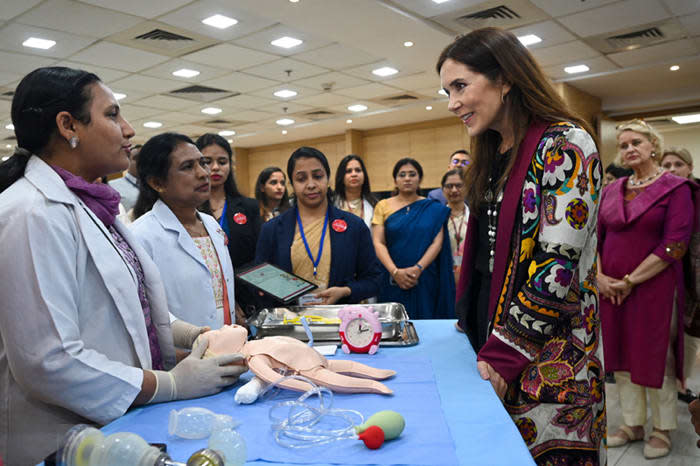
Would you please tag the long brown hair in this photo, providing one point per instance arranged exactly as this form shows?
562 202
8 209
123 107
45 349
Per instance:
500 57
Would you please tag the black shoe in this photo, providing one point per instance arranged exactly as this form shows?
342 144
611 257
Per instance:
609 377
687 396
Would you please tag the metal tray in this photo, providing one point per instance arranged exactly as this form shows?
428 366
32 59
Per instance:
324 323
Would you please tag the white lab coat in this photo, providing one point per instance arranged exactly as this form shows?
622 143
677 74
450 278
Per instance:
72 333
187 279
367 210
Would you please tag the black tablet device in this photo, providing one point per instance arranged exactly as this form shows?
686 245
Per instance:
283 286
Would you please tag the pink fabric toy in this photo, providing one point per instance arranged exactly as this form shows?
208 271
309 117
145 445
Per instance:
271 356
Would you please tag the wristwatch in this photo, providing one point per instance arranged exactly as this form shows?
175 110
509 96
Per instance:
627 280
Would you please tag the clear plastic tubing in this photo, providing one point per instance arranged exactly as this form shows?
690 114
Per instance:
197 423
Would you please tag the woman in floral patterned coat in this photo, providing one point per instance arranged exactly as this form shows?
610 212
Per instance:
527 297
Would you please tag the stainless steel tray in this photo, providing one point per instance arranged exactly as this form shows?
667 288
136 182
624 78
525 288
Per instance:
324 323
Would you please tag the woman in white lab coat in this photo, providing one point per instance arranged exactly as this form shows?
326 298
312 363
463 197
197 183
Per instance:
84 330
187 246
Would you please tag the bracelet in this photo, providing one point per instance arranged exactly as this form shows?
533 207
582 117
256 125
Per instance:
627 281
393 274
419 266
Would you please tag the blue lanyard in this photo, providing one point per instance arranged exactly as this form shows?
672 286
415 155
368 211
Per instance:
306 244
222 219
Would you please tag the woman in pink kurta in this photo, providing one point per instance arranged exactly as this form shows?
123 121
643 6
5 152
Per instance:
644 227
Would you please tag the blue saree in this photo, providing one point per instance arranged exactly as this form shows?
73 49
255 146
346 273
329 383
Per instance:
408 233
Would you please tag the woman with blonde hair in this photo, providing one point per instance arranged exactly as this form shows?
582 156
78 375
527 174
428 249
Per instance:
527 297
642 297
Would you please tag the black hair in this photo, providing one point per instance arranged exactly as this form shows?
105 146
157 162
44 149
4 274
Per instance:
260 195
618 171
340 179
154 162
39 97
459 151
230 186
454 171
310 153
406 161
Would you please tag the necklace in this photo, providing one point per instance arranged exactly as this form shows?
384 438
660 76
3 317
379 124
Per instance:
634 182
494 201
457 227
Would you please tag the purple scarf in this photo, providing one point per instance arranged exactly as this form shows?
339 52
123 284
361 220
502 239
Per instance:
102 199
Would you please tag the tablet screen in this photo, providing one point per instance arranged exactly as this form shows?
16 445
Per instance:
274 281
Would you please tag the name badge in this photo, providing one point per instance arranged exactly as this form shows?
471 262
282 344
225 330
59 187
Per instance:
339 226
240 218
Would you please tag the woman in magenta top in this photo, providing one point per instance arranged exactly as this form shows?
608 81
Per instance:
644 227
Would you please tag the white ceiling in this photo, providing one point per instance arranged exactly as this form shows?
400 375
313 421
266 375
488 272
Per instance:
344 40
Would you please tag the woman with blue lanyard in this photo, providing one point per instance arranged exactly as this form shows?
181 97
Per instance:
187 246
318 241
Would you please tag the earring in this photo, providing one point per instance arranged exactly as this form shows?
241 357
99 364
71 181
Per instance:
653 154
73 142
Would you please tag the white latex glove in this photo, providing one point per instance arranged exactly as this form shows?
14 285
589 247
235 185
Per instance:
184 333
194 377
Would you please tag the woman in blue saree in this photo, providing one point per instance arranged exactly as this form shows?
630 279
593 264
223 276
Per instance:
408 232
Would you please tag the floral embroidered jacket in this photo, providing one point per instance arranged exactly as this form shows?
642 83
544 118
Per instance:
544 325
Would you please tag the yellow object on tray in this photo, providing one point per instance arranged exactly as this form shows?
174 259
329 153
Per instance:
311 319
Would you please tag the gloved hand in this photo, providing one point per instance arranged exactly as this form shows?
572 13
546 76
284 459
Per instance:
194 377
184 333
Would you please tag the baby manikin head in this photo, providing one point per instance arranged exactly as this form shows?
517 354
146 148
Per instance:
228 339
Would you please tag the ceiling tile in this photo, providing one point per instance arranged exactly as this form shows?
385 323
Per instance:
138 82
191 16
369 91
559 8
11 8
416 81
165 70
134 113
20 63
691 22
261 40
301 92
278 108
180 117
325 100
230 57
78 18
278 70
336 57
654 53
430 9
332 80
107 75
365 71
239 82
564 53
596 65
9 77
244 102
613 17
118 56
550 32
12 36
165 102
683 7
253 115
149 9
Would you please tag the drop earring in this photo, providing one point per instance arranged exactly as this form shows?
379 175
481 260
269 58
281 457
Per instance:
73 142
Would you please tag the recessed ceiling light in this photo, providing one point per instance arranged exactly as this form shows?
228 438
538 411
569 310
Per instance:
357 108
428 107
285 121
408 43
685 119
229 141
5 158
576 69
285 93
529 39
8 146
385 71
211 110
220 21
11 127
284 131
442 92
226 132
293 1
675 68
153 124
185 73
36 43
440 1
118 95
286 42
348 121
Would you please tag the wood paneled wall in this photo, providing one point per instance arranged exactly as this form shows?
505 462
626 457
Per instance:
429 142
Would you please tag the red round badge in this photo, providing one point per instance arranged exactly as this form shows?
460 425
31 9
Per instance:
240 218
339 226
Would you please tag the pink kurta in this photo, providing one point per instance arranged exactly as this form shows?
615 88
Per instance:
658 221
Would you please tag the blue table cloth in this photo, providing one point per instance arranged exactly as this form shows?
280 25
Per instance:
453 417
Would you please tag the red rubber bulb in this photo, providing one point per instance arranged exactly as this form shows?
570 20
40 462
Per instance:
373 437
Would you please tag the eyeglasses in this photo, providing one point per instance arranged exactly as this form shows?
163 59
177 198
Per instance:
451 186
461 163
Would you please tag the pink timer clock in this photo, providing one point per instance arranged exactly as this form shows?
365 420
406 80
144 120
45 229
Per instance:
360 329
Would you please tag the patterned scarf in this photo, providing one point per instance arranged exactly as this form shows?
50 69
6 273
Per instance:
102 199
